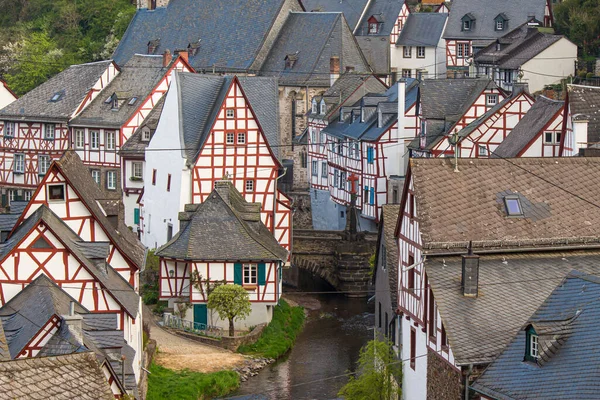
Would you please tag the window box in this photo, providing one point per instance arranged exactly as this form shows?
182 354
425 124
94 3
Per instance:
136 179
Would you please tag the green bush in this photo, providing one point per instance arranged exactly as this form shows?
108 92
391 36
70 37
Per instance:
166 384
160 307
279 336
150 294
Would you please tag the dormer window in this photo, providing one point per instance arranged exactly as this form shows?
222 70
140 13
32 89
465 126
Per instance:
132 101
145 134
322 107
314 107
374 22
500 22
491 99
153 45
290 60
513 206
114 103
532 345
193 48
468 22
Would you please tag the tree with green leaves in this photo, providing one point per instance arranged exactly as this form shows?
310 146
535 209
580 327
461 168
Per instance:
579 20
231 302
378 372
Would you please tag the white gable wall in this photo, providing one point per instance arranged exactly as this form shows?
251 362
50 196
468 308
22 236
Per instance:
548 66
6 96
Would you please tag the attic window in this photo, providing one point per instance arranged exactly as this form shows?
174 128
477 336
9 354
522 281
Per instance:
153 45
322 107
132 101
193 48
145 134
314 106
290 60
468 22
513 206
500 22
532 350
56 97
56 192
108 99
374 24
115 103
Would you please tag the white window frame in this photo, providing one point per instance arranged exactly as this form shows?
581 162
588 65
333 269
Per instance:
230 138
241 138
12 195
94 144
250 274
499 25
27 195
534 350
420 51
229 113
407 52
111 183
554 137
249 185
491 99
49 131
482 151
64 190
43 164
314 166
9 133
96 175
110 137
146 134
137 170
19 163
467 25
322 108
79 138
406 73
324 172
373 28
314 106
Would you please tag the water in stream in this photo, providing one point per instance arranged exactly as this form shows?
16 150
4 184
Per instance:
336 328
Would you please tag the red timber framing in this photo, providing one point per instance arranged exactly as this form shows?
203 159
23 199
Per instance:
42 252
247 161
79 217
215 271
539 146
456 57
399 24
317 145
101 155
36 344
483 140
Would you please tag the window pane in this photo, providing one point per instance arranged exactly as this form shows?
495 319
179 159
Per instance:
513 206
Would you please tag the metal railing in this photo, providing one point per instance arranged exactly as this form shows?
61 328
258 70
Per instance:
174 322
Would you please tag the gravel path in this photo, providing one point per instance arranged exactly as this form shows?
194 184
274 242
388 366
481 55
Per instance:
178 353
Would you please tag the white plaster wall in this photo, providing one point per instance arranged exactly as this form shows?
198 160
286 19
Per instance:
261 313
6 97
414 382
547 67
413 63
130 203
162 207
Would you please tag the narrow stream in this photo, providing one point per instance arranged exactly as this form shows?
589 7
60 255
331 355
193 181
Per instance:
336 328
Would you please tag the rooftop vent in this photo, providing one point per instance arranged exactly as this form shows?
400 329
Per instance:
290 60
470 273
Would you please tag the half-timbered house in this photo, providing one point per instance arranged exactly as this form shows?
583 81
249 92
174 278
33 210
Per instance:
367 144
474 24
99 131
213 127
474 239
71 232
34 127
527 54
222 240
7 96
544 131
420 50
43 320
447 106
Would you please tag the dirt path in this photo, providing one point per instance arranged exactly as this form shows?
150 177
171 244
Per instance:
178 353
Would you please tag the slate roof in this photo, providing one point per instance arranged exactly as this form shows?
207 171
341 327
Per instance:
224 221
485 11
572 369
200 98
586 100
529 127
369 129
4 351
422 29
73 83
231 32
117 286
73 376
347 90
511 288
386 11
71 166
516 47
23 316
136 80
441 98
135 147
390 216
352 9
477 193
10 218
316 37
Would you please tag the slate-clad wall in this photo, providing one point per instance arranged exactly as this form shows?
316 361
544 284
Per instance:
443 382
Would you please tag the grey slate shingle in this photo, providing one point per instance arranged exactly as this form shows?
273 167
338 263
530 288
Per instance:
538 116
224 220
73 376
572 316
422 29
135 147
352 9
74 82
385 11
585 100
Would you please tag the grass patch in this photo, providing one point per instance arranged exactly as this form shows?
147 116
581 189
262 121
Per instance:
166 384
279 336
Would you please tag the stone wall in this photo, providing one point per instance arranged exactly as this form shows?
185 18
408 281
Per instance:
302 207
443 382
226 342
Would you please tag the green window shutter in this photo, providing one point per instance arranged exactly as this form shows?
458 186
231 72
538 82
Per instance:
262 276
136 216
237 274
4 200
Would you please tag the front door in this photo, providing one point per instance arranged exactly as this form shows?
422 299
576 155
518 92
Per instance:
200 315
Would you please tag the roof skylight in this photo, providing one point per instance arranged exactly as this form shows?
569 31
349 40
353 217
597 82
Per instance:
513 206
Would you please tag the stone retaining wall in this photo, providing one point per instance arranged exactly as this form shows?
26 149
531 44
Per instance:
226 342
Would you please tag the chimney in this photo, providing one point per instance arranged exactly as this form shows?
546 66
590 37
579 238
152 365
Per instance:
183 54
470 274
74 323
167 57
580 132
401 152
334 69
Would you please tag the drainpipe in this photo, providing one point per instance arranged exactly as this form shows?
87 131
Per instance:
469 371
